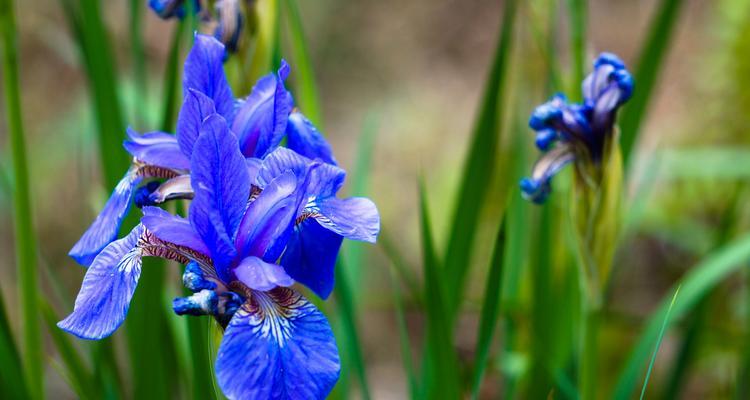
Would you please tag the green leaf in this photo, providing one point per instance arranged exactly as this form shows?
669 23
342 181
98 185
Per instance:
12 382
307 91
490 311
478 167
80 377
578 24
658 343
403 336
440 366
351 342
25 237
653 53
693 286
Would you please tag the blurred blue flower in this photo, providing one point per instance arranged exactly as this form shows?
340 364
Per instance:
567 132
262 217
225 23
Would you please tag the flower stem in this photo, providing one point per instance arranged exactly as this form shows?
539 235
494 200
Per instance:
24 233
591 312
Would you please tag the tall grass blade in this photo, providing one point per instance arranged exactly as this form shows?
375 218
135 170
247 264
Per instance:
351 341
490 311
307 91
653 53
478 167
138 57
403 269
693 286
403 336
440 366
658 343
12 381
25 238
172 78
578 26
80 377
84 18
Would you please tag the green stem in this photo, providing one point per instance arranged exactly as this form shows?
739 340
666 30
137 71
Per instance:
578 24
589 361
23 226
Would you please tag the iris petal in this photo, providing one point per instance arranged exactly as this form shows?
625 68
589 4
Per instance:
306 140
196 107
538 187
107 288
261 120
260 275
156 148
268 218
310 257
277 346
325 181
220 181
204 72
355 218
106 225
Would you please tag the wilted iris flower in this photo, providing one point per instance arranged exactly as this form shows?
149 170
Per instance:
224 23
578 132
262 217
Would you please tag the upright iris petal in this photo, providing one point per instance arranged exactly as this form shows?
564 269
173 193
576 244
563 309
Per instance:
220 180
261 119
204 72
306 140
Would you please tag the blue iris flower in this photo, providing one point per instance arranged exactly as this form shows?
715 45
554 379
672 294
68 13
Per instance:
262 217
172 8
567 132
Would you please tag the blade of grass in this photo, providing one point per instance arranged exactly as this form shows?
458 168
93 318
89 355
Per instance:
12 381
693 286
653 53
658 343
361 180
578 26
440 366
139 57
352 345
403 336
405 274
307 91
80 377
490 311
25 238
478 167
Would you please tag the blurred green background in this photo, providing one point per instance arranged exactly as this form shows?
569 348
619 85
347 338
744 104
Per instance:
402 83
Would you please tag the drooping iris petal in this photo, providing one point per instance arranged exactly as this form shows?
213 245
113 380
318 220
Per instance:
262 117
268 218
196 107
538 186
355 218
221 185
277 346
173 229
107 288
310 256
156 148
257 274
306 140
325 181
106 225
204 72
